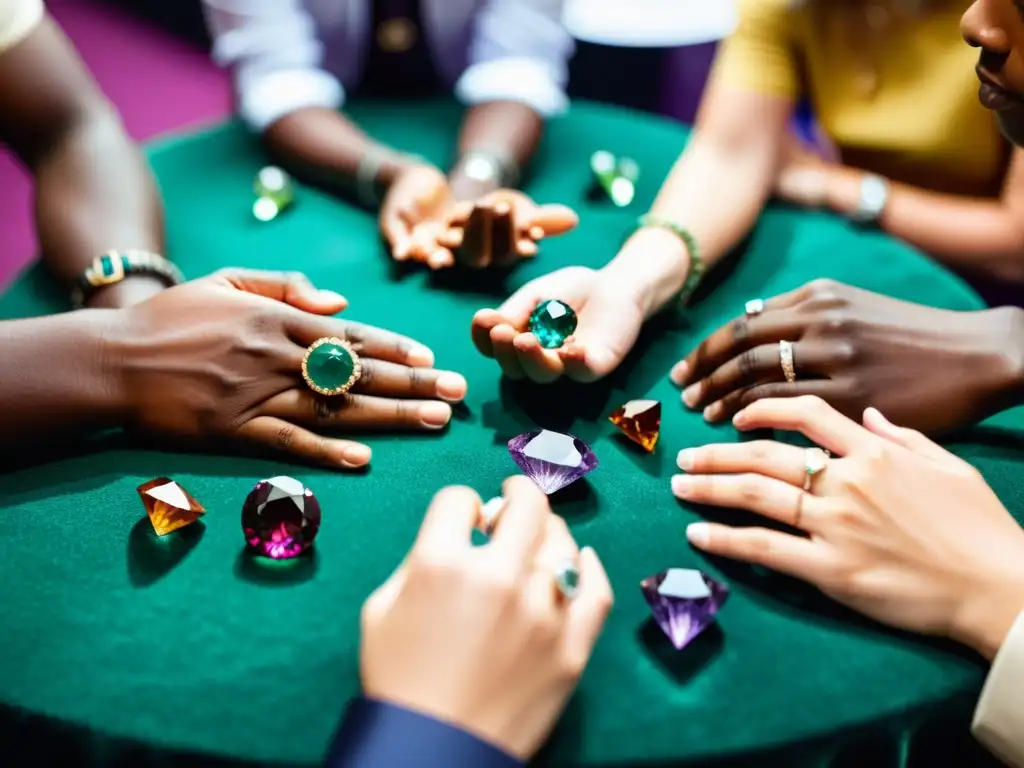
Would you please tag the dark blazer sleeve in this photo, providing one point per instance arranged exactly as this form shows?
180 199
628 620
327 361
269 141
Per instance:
378 735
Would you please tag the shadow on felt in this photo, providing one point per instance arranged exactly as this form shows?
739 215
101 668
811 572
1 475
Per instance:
151 557
267 572
685 664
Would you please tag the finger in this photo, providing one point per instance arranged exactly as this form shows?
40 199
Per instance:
503 236
503 343
574 359
292 288
552 220
517 307
398 234
460 213
477 238
538 364
520 529
441 258
749 367
483 322
589 610
391 380
286 437
526 247
764 457
755 493
782 552
558 549
448 525
451 238
367 340
811 416
911 439
834 392
352 412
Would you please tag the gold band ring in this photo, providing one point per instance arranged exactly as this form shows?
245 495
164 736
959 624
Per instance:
786 358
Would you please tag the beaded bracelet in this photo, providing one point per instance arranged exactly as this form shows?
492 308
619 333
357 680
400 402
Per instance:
697 266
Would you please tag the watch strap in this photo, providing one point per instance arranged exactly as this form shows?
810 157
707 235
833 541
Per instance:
874 195
484 165
114 266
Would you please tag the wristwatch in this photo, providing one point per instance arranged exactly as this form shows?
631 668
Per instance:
114 266
488 168
874 194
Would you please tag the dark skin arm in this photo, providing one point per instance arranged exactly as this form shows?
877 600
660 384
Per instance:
507 128
94 191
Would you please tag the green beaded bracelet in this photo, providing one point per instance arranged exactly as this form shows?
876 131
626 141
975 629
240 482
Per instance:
697 266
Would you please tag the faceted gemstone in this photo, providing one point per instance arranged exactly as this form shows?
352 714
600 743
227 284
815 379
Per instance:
330 366
552 322
640 421
552 460
568 580
616 176
274 193
684 602
168 505
280 518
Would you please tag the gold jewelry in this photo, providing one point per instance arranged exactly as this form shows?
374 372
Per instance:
815 462
786 358
331 366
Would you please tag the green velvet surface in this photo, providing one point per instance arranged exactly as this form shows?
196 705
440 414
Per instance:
130 648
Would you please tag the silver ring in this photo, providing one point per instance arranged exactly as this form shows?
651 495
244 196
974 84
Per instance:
567 579
754 307
815 462
489 514
786 358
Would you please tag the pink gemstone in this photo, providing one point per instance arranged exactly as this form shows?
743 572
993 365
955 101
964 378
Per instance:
552 460
684 602
280 518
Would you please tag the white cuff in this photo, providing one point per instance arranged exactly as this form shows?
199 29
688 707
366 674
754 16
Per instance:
266 97
513 79
999 716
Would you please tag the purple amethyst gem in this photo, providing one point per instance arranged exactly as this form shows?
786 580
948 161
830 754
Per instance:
684 602
552 460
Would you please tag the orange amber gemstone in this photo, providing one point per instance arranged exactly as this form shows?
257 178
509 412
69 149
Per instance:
168 505
640 421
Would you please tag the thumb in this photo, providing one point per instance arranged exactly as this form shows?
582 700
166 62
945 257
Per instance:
910 439
292 288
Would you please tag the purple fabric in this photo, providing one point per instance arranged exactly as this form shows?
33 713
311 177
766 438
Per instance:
685 76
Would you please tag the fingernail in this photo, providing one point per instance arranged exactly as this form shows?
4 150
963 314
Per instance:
682 486
420 357
685 459
537 233
692 394
713 412
679 373
332 298
356 456
698 534
740 419
451 387
435 415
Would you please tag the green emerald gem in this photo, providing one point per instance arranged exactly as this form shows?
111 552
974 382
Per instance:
275 192
568 581
552 322
108 266
330 366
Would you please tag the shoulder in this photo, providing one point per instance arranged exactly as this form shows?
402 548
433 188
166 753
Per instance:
17 20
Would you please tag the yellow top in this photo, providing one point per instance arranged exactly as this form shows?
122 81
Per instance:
902 102
17 20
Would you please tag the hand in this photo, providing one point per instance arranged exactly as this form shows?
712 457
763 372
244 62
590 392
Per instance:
479 636
220 359
415 212
897 528
609 323
500 228
803 178
930 369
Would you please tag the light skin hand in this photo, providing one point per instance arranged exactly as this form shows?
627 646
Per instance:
895 526
498 651
219 360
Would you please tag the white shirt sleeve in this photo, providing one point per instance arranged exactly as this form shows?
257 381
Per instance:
520 52
273 51
999 716
18 19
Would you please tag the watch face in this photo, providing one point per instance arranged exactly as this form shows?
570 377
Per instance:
480 169
874 194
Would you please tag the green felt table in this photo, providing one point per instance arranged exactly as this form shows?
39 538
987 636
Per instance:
122 649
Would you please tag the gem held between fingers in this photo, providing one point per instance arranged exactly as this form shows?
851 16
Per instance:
280 518
640 421
169 505
684 602
552 322
551 459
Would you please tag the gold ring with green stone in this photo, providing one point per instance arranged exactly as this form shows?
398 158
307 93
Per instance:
331 366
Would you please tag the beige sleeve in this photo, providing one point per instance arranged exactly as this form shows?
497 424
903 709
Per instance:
760 55
17 20
999 717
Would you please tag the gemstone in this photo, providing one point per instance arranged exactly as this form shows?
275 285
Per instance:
567 578
330 367
274 193
552 322
168 505
616 176
684 602
280 518
640 421
552 460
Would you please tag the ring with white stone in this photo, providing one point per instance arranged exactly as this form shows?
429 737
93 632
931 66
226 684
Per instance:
567 579
786 358
815 462
754 307
489 514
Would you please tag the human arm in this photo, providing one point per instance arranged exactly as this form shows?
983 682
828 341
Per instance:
94 190
980 237
894 526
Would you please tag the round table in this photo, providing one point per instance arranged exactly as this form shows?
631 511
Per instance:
120 648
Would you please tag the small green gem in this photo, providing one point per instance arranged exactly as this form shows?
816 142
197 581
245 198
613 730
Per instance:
552 322
330 366
108 266
568 581
272 187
